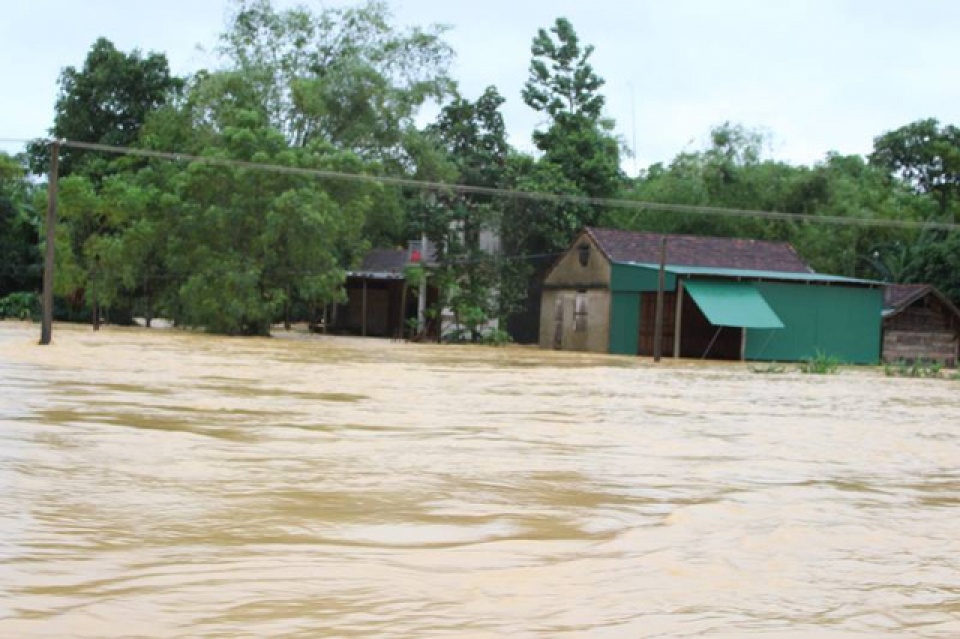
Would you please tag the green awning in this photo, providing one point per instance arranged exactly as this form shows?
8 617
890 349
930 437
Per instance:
727 303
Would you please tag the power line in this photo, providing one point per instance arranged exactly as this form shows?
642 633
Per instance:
166 274
514 193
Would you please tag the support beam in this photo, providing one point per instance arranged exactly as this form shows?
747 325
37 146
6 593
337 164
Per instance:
743 344
422 293
658 320
46 321
678 320
363 321
95 293
712 342
403 310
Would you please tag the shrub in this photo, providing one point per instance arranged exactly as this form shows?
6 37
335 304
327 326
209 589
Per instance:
820 364
22 306
916 368
770 369
496 337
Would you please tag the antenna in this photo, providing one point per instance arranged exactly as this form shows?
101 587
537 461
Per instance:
633 120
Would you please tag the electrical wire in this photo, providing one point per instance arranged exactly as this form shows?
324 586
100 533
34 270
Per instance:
425 185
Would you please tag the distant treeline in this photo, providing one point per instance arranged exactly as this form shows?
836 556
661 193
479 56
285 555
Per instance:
233 249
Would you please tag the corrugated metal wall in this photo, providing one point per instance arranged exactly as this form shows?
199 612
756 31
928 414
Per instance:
840 321
624 322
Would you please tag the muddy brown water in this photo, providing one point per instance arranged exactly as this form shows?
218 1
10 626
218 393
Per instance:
163 484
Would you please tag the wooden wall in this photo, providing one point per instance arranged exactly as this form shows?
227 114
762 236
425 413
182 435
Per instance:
925 330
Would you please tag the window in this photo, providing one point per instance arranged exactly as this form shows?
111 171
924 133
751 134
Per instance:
580 312
583 252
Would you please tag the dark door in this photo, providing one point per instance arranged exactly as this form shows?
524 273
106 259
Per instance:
648 318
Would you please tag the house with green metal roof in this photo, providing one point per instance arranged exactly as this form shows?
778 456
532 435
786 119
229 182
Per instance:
723 298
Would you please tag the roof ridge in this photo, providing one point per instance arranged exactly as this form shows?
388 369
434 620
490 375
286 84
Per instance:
698 250
591 229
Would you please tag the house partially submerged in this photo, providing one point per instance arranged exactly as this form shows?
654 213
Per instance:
919 323
379 302
724 298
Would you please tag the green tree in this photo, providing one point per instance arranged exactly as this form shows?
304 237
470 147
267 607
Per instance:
926 156
579 157
732 172
241 246
346 76
349 77
935 259
106 101
533 234
563 85
472 136
20 262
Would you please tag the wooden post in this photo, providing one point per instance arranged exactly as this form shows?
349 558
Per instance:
95 293
363 322
46 322
712 340
422 294
677 320
661 283
743 344
403 309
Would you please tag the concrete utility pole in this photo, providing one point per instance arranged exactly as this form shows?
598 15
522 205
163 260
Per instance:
422 296
661 283
429 203
46 321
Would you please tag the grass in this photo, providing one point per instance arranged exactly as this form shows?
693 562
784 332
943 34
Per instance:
820 364
769 369
917 368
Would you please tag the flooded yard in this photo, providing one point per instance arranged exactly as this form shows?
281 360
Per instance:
156 483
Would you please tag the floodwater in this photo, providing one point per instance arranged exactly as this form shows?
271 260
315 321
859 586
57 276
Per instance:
163 484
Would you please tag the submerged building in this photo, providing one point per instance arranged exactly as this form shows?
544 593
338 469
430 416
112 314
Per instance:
724 298
920 323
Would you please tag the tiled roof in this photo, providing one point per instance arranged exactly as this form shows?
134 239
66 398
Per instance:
693 250
389 263
898 296
384 261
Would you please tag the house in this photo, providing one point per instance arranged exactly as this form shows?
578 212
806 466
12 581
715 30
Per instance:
919 323
379 301
724 298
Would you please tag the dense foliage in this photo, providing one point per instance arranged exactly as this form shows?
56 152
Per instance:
231 248
20 263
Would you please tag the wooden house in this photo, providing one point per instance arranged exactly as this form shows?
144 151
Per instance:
379 302
919 323
724 298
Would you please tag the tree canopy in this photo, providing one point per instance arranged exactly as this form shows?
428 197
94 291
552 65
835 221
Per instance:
106 101
232 249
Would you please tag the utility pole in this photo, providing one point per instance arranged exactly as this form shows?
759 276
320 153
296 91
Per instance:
95 292
46 321
422 295
431 200
661 283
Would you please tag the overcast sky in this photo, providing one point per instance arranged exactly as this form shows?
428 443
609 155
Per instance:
817 75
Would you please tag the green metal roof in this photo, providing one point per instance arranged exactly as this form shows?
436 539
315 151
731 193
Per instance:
727 303
709 271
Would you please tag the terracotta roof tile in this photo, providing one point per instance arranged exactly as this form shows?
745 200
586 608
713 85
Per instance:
384 261
693 250
896 296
